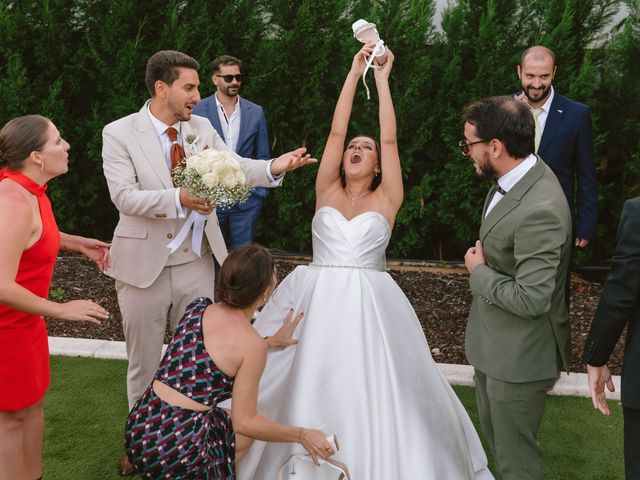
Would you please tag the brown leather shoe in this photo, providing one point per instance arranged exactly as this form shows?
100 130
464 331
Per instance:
126 468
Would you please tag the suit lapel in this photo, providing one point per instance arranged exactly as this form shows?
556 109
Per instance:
189 129
554 119
245 113
511 200
146 136
487 200
215 118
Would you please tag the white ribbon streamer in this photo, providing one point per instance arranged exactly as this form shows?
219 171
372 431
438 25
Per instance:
378 49
197 221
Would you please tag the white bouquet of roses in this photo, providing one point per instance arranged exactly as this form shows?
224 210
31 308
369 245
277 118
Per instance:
215 176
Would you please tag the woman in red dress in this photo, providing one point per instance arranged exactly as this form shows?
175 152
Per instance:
31 153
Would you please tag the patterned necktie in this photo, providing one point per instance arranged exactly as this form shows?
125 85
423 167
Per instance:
536 114
177 152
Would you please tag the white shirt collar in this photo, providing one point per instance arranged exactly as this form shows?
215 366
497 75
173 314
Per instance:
219 104
513 176
547 105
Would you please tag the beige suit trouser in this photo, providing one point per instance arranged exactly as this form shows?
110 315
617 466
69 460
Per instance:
145 312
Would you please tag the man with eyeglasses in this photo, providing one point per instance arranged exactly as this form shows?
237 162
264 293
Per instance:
517 336
563 138
242 126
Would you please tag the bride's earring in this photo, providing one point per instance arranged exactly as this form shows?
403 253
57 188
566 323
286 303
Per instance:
41 166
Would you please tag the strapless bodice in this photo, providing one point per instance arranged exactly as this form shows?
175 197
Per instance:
358 243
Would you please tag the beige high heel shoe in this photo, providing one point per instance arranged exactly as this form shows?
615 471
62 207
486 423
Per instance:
301 467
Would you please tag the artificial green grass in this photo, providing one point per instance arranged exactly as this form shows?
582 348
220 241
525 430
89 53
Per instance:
86 408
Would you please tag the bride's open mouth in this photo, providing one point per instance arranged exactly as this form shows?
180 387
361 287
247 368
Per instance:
356 158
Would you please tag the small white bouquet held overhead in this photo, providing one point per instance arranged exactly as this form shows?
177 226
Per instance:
215 176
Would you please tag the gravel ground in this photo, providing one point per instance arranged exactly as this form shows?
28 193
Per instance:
440 296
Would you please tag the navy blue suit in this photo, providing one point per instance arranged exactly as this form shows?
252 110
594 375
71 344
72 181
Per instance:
253 142
567 147
619 307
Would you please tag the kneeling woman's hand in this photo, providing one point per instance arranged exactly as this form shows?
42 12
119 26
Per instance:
316 443
284 336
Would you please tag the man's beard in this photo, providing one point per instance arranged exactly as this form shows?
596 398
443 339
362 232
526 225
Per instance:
232 93
487 170
181 113
543 95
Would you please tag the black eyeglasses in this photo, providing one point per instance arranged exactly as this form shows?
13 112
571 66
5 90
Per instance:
465 146
229 78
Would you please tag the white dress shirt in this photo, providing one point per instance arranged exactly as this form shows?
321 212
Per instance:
545 108
230 124
165 143
509 179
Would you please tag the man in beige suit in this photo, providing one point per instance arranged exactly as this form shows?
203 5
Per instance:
153 284
517 334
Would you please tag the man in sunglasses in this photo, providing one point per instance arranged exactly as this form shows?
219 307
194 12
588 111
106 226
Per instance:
517 336
242 126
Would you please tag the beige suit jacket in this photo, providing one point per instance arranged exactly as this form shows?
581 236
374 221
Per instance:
140 187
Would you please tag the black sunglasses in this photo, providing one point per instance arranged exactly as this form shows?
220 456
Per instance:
229 78
465 146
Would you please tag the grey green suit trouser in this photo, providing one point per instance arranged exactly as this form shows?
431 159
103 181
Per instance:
510 416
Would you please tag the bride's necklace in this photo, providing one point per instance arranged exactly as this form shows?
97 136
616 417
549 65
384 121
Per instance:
353 199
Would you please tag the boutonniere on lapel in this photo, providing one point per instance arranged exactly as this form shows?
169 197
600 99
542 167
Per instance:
190 147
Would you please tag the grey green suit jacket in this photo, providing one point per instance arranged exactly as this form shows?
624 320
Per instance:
518 327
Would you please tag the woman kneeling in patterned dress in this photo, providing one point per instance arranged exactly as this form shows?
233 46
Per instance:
176 430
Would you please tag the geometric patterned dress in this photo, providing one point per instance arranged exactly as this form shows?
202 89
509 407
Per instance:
168 442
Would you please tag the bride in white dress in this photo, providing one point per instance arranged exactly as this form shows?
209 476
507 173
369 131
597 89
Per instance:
362 368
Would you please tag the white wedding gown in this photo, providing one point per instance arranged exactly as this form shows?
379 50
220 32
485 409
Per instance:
362 368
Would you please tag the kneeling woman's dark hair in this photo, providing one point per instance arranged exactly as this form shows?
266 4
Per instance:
245 276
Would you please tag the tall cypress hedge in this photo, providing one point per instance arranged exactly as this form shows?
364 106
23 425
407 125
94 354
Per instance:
81 62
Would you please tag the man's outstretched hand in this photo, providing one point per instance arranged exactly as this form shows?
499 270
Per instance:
291 160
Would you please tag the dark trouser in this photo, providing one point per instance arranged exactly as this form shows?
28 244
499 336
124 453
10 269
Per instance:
631 443
510 416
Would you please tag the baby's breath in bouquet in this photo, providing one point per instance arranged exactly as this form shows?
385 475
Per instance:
213 175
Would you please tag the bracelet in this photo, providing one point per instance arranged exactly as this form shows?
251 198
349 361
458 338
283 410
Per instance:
300 434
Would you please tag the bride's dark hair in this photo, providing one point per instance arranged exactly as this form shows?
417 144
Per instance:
245 276
378 178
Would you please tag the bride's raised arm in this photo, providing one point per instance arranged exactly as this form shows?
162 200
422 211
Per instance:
329 171
391 183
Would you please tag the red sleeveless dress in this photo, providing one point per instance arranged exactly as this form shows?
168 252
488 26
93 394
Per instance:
24 348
